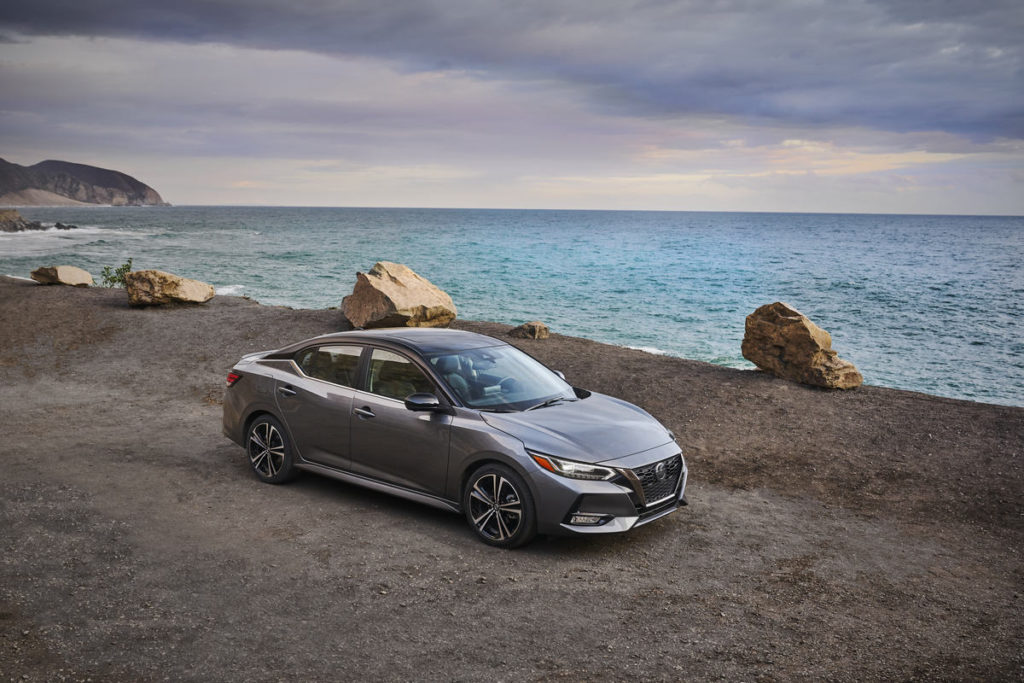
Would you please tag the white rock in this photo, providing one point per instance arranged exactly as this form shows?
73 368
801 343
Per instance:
62 275
154 287
392 295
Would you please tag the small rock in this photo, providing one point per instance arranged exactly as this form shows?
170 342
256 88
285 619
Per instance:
531 330
62 275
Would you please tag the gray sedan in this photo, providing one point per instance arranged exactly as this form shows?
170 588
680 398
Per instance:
460 421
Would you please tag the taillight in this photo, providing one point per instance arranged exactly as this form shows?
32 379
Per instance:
232 378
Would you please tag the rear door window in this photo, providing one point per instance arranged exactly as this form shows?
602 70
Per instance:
334 363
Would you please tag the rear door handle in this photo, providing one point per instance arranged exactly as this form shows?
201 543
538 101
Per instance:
364 412
286 391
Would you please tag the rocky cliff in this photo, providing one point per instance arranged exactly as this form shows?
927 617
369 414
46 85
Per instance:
52 183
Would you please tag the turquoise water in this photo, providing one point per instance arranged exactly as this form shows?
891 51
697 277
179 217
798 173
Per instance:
927 303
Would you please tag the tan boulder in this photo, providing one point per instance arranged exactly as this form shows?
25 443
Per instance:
784 342
62 275
534 329
392 295
155 287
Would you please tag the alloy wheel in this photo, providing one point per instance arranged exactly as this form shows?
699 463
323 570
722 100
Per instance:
266 449
495 507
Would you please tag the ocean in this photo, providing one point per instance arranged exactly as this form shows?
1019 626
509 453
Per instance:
926 303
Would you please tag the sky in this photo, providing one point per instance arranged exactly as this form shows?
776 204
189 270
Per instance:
878 106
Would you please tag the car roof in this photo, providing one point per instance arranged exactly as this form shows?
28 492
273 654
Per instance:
423 340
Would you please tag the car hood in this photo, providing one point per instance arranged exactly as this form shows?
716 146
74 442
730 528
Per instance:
592 430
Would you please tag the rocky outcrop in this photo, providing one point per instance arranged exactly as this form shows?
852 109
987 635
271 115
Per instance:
52 182
784 342
12 221
392 295
62 275
532 330
155 287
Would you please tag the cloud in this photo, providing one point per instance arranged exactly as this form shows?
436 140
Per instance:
731 105
213 100
896 65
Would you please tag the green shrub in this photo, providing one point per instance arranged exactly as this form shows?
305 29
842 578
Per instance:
114 277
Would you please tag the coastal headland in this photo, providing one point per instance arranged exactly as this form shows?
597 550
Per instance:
62 183
831 535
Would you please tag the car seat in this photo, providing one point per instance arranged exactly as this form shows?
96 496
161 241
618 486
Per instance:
448 367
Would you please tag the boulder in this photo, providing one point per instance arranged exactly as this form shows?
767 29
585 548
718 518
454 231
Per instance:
62 275
155 287
392 295
784 342
532 330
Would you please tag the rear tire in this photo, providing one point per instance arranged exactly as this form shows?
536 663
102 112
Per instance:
499 507
269 451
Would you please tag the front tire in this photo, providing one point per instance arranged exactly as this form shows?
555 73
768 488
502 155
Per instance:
499 507
269 451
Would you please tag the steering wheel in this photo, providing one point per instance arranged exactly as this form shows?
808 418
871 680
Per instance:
510 380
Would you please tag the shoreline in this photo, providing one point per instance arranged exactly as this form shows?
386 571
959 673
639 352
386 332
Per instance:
500 328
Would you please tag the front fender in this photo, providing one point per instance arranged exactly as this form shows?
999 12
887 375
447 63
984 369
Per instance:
475 443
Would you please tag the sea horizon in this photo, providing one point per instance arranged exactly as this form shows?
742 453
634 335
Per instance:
491 208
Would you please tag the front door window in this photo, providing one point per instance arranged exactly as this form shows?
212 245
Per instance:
395 376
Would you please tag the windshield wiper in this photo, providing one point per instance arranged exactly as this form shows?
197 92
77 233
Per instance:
549 402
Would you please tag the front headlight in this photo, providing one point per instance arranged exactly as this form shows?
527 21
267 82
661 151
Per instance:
572 469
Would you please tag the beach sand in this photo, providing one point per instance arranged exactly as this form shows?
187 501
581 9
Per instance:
869 534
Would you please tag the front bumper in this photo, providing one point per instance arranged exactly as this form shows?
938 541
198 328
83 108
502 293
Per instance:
568 507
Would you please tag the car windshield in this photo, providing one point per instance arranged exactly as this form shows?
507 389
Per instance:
501 378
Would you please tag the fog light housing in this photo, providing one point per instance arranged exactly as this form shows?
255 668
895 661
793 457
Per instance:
587 519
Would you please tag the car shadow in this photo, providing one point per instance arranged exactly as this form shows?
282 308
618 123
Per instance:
452 529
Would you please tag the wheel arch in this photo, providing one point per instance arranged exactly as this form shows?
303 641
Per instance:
484 459
252 417
254 414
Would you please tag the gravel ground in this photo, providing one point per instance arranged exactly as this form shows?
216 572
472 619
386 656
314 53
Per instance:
865 535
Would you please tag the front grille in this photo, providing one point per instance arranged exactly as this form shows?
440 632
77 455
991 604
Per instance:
654 488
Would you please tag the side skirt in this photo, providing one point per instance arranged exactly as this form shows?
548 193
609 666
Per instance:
401 492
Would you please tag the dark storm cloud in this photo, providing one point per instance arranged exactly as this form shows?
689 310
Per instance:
898 65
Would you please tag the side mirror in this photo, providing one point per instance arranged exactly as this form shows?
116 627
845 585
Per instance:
559 373
423 402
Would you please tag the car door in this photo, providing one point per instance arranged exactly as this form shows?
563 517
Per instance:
317 403
391 442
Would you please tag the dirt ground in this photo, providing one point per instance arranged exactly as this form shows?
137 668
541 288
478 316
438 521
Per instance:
865 535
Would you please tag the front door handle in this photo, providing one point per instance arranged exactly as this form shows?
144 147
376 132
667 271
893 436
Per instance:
364 412
286 391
